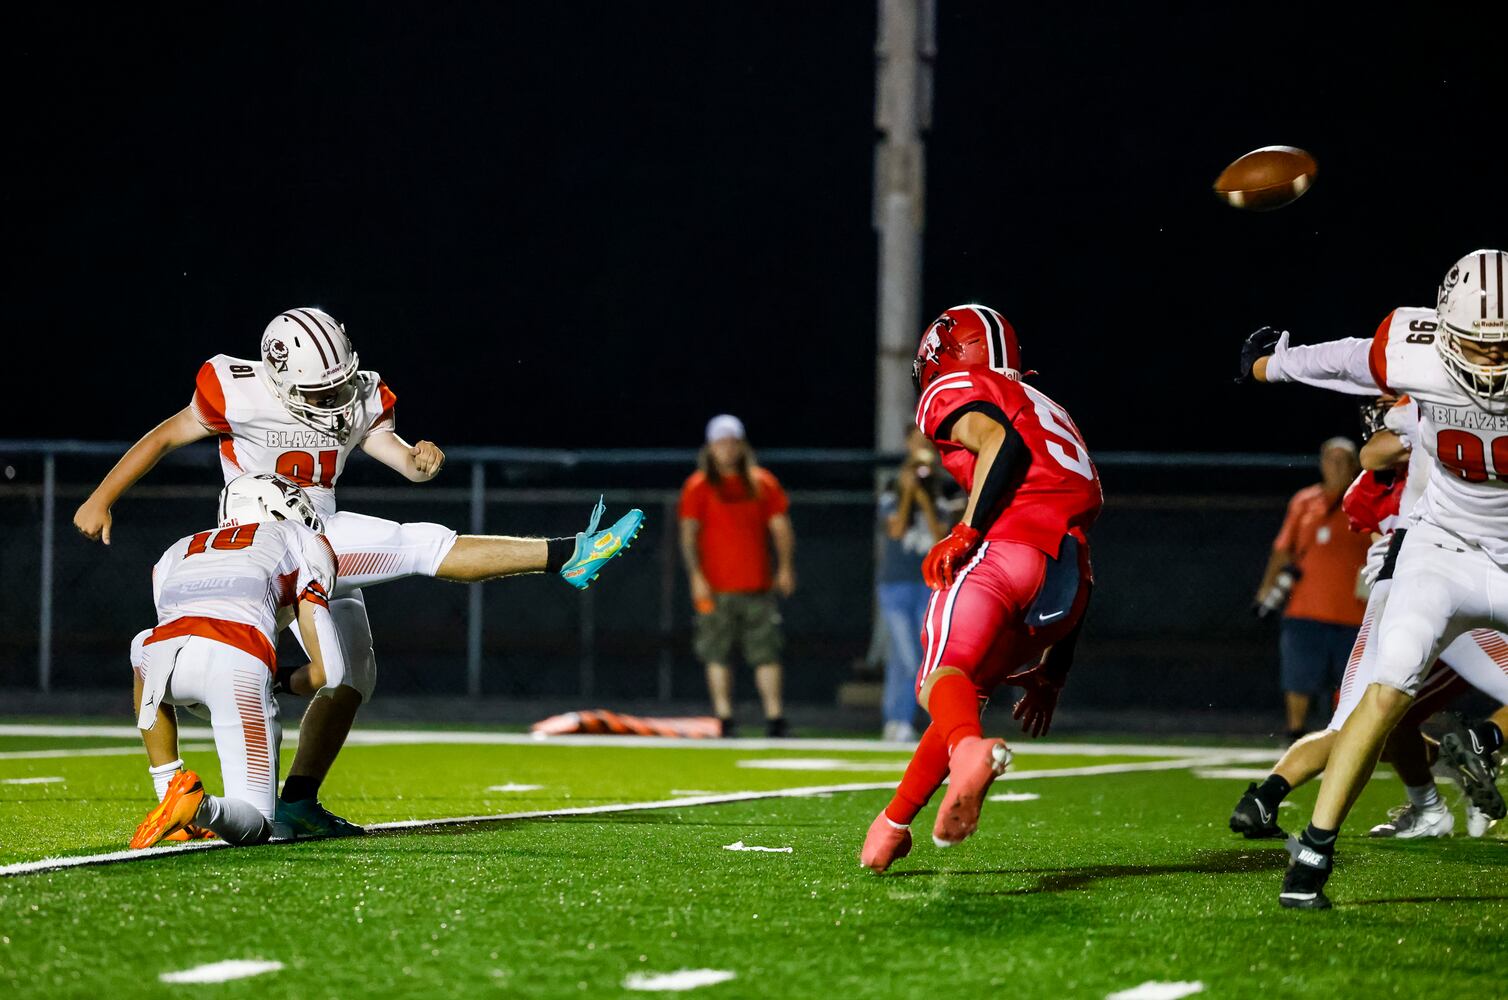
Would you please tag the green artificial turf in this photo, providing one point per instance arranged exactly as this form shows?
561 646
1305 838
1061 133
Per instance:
1101 884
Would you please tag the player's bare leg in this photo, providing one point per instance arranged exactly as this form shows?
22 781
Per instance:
475 558
720 690
1352 761
161 741
327 721
768 678
1256 814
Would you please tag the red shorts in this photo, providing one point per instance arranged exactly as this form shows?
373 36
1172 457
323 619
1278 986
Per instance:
977 625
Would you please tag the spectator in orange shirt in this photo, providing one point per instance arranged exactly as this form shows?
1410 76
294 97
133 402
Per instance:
731 509
1325 607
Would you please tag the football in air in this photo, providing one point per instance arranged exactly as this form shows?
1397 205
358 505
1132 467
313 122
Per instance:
1266 178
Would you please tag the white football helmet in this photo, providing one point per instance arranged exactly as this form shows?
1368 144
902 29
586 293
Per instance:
263 496
312 368
1471 308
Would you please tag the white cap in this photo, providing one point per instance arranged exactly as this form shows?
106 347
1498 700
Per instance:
724 425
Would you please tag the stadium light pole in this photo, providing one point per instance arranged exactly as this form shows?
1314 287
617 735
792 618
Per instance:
904 53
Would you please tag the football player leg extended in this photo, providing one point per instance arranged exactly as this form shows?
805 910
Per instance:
1003 600
301 409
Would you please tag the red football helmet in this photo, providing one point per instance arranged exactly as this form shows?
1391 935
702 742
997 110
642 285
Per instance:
962 337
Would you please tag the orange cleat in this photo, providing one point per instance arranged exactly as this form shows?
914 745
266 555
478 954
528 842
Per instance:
190 832
884 844
975 765
175 812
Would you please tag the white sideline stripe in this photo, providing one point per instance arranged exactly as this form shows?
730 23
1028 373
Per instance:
1015 797
806 791
404 737
95 752
221 972
31 781
510 787
1154 990
682 979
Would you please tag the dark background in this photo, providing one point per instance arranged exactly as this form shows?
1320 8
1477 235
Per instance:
575 224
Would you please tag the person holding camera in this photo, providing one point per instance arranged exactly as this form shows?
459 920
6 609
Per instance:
913 516
1315 567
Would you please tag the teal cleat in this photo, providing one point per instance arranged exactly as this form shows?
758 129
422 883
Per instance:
307 818
594 548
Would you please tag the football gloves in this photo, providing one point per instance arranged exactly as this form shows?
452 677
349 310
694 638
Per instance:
1034 710
1258 344
948 555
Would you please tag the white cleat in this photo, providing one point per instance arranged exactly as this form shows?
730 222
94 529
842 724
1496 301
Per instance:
1409 822
1478 822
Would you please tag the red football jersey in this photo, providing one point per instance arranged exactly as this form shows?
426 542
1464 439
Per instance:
1061 492
1371 505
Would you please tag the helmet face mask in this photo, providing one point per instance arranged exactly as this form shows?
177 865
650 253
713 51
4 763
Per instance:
264 496
313 369
1471 318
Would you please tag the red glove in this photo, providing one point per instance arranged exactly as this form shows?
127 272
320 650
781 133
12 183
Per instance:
942 563
1035 707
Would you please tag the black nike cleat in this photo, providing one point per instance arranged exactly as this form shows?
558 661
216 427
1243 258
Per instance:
1252 819
1474 768
1304 882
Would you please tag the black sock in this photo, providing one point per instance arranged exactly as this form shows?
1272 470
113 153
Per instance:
1320 839
776 726
727 725
299 788
558 552
1487 734
1273 791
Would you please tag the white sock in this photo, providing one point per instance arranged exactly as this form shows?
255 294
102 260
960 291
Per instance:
1423 796
162 776
236 821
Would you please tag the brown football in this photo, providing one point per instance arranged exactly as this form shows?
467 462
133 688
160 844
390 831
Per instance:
1266 178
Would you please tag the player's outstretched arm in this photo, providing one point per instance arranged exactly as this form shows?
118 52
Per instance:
93 516
418 463
1338 365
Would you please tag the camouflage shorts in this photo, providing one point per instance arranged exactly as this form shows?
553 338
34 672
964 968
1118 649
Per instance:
751 620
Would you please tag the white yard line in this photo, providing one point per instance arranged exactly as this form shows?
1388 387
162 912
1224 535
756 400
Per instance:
94 752
53 864
675 982
221 972
1154 990
402 737
31 781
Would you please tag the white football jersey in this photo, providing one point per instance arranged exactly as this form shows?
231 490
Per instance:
245 576
257 433
1467 488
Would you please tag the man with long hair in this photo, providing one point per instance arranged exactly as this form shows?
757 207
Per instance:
731 510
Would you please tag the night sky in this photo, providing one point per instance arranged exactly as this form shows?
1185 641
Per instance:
574 225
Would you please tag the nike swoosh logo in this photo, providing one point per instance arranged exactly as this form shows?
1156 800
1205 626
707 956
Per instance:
1055 614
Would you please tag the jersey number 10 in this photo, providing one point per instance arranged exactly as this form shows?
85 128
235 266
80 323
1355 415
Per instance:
225 540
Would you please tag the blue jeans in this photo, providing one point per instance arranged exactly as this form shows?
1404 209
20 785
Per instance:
904 608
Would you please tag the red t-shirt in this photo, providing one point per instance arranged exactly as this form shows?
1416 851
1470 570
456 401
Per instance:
1329 555
734 540
1060 494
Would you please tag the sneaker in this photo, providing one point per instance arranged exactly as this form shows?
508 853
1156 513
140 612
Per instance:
727 728
777 728
1473 767
179 806
1252 819
884 844
307 818
594 548
1409 822
974 766
1477 822
896 731
1304 881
